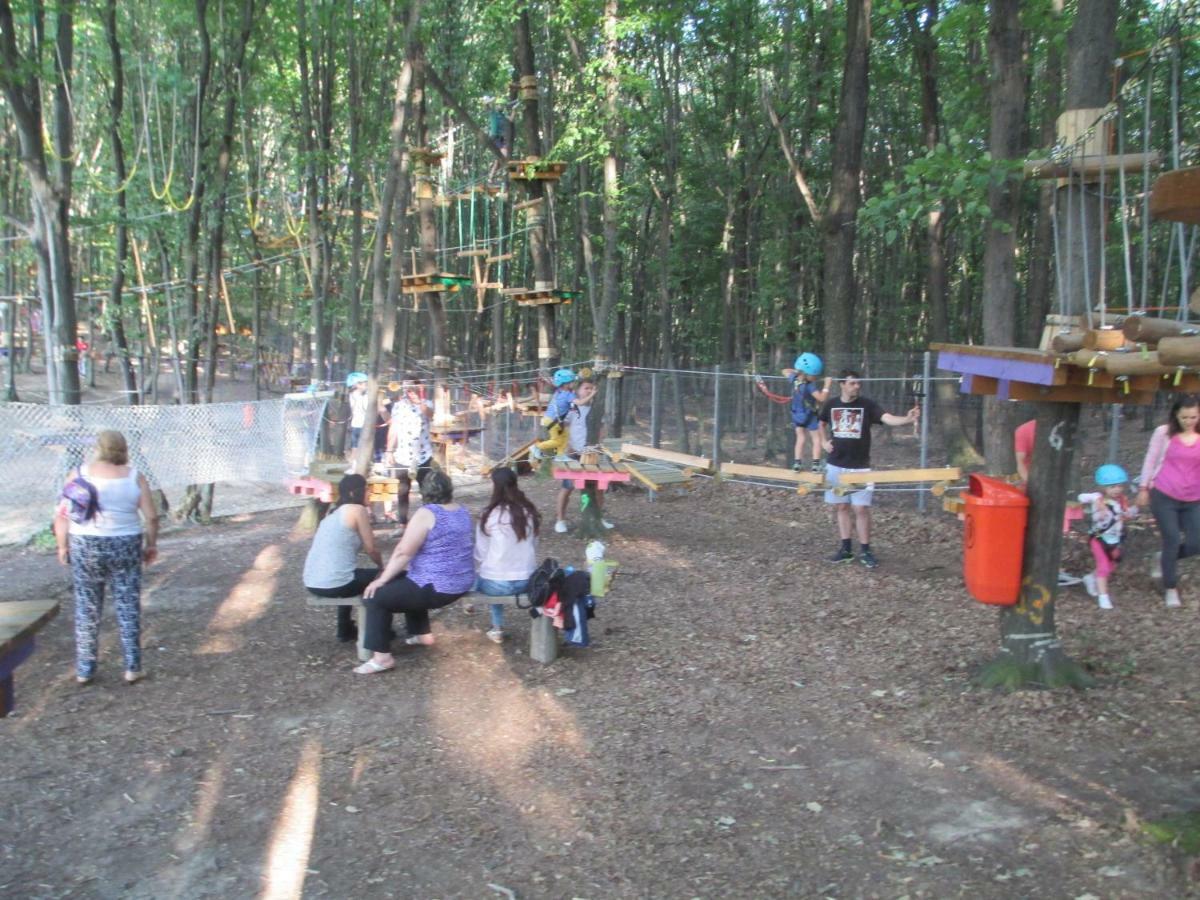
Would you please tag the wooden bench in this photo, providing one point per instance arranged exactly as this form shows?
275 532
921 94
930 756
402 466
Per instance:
656 468
20 620
543 639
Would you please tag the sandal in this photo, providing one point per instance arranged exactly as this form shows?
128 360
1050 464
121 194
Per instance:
370 667
419 640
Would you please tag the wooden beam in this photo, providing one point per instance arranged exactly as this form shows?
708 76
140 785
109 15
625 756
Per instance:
900 476
1179 351
1091 165
769 472
683 459
1151 330
1012 363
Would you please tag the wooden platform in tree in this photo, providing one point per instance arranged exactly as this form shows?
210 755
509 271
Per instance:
1175 196
1083 376
435 281
535 170
541 297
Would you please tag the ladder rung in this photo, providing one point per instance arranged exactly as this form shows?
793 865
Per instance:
527 204
503 257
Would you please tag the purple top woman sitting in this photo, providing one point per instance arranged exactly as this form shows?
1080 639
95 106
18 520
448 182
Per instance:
431 567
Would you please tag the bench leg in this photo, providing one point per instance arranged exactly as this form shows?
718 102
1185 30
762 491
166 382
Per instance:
543 641
363 653
16 655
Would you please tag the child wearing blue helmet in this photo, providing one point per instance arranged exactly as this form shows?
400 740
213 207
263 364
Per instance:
807 400
556 412
1109 510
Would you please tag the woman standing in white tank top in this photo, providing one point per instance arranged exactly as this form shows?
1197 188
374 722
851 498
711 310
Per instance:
108 550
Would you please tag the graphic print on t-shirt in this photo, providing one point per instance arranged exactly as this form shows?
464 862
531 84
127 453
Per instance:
846 422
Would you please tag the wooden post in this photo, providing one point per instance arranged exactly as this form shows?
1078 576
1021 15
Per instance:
543 641
1030 652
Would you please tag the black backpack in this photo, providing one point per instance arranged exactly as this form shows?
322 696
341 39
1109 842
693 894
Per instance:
544 581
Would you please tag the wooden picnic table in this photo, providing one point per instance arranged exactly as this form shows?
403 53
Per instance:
601 473
20 620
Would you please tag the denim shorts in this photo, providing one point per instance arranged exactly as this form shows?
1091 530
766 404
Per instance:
495 588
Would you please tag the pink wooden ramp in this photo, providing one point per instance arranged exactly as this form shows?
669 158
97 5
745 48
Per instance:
602 474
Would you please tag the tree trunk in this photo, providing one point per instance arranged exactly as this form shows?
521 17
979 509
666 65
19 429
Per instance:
1030 652
1091 47
394 196
537 217
1007 92
844 196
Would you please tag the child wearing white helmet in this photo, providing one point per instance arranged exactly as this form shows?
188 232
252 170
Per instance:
1110 509
556 412
357 383
807 400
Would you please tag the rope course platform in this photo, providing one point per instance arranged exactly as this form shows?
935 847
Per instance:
1132 374
433 281
602 473
541 296
534 169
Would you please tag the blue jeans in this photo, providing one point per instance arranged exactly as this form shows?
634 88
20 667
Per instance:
494 588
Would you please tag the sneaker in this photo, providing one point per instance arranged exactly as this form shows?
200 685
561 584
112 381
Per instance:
560 526
1173 599
535 453
1104 602
1089 585
1156 566
607 524
867 558
496 636
796 467
816 467
1067 580
841 556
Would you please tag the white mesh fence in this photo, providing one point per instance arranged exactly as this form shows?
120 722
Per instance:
173 446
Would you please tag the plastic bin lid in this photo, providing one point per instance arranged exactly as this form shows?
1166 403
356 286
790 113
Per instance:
987 491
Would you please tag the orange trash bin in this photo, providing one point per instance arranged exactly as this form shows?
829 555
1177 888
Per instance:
994 540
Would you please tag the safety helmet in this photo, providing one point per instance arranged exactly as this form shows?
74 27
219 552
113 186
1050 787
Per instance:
810 364
1110 474
355 378
564 377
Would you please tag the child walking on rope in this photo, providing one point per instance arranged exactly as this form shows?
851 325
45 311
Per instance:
845 429
807 399
1110 509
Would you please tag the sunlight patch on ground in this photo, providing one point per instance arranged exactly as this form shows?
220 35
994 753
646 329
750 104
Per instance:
247 601
292 837
500 728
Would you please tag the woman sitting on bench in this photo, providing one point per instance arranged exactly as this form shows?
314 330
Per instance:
431 567
505 544
329 569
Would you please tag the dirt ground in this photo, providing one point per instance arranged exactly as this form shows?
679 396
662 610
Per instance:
751 721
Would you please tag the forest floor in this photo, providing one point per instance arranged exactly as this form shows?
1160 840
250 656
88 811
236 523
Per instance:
751 721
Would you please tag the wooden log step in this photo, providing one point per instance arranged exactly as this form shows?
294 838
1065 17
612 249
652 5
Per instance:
503 257
1179 351
528 204
1068 342
1150 330
1176 196
1109 338
473 253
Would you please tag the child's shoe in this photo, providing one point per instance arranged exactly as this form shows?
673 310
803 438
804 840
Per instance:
535 453
1089 585
796 466
816 467
560 527
1104 602
496 636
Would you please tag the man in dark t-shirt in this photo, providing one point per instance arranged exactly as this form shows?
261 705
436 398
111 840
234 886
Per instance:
846 421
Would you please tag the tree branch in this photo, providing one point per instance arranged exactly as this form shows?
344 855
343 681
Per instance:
786 146
460 113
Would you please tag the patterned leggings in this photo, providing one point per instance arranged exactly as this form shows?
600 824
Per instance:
95 562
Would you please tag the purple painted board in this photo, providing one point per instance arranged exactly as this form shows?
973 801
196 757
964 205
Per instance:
1002 389
1030 372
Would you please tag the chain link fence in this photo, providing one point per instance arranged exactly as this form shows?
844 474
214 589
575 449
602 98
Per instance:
231 444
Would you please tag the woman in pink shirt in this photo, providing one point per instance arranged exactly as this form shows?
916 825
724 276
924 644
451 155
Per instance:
1170 483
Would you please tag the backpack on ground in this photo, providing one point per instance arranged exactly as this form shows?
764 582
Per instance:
542 583
81 500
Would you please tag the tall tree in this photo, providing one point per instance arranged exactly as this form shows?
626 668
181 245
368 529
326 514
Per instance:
49 185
